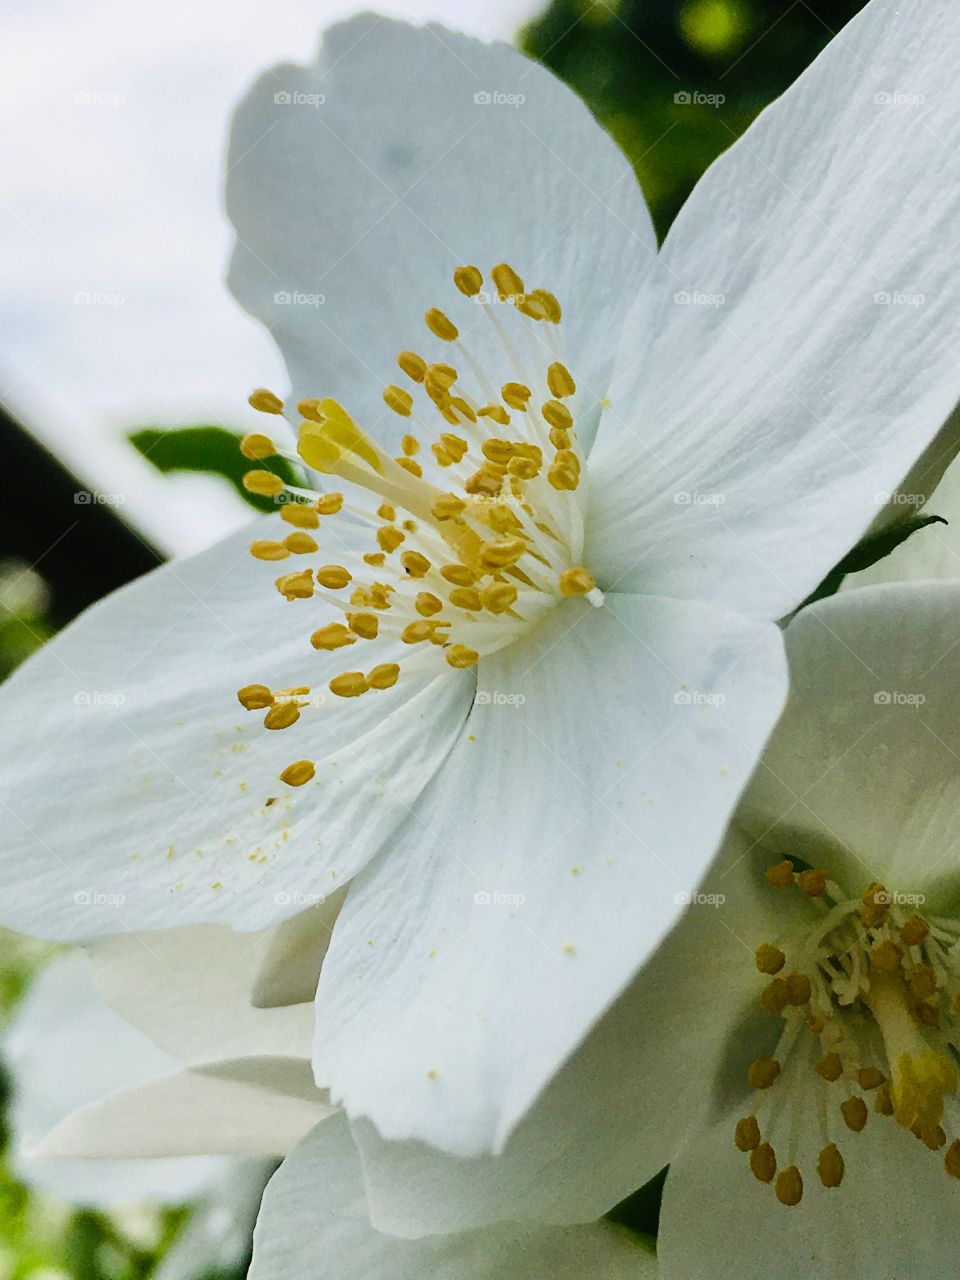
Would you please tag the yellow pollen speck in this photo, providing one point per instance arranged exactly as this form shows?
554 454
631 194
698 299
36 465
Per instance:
264 549
576 582
432 1073
256 445
265 401
460 657
469 280
255 697
349 685
441 325
263 483
569 949
281 715
295 775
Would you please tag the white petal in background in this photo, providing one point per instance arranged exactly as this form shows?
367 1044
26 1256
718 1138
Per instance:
587 795
805 346
361 182
314 1223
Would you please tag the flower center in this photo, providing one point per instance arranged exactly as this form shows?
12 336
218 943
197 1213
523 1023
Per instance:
472 539
870 999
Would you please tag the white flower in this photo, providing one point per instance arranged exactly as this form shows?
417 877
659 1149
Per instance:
521 811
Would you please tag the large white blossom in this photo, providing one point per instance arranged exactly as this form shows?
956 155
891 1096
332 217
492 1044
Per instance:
632 463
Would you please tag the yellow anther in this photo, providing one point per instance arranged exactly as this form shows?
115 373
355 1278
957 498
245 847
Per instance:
398 400
951 1160
469 280
440 454
364 625
415 564
503 554
389 538
813 882
265 401
502 519
780 875
414 366
324 443
255 697
264 483
875 904
418 632
576 582
559 380
456 446
551 307
330 503
530 305
310 408
932 1136
349 685
560 438
256 445
516 395
427 604
923 981
524 468
870 1078
747 1134
762 1072
384 676
300 514
295 775
557 415
409 526
830 1067
564 478
770 959
508 283
447 506
496 412
763 1162
300 543
333 576
883 1104
440 325
466 598
830 1166
775 996
296 586
485 483
460 657
914 932
886 957
265 550
499 598
441 376
498 451
799 989
921 1082
789 1186
333 636
411 465
854 1112
461 409
281 715
459 574
410 446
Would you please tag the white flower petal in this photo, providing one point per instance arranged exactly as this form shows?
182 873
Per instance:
290 969
365 178
887 1218
139 794
65 1049
248 1106
862 775
145 978
314 1223
544 864
764 432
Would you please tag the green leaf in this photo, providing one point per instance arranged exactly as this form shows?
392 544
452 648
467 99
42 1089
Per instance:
869 552
213 450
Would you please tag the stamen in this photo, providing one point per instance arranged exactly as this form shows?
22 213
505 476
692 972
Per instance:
265 401
295 775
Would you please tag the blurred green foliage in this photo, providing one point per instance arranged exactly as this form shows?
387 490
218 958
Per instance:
214 450
677 81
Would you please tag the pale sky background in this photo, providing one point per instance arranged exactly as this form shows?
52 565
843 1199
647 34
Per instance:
113 312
